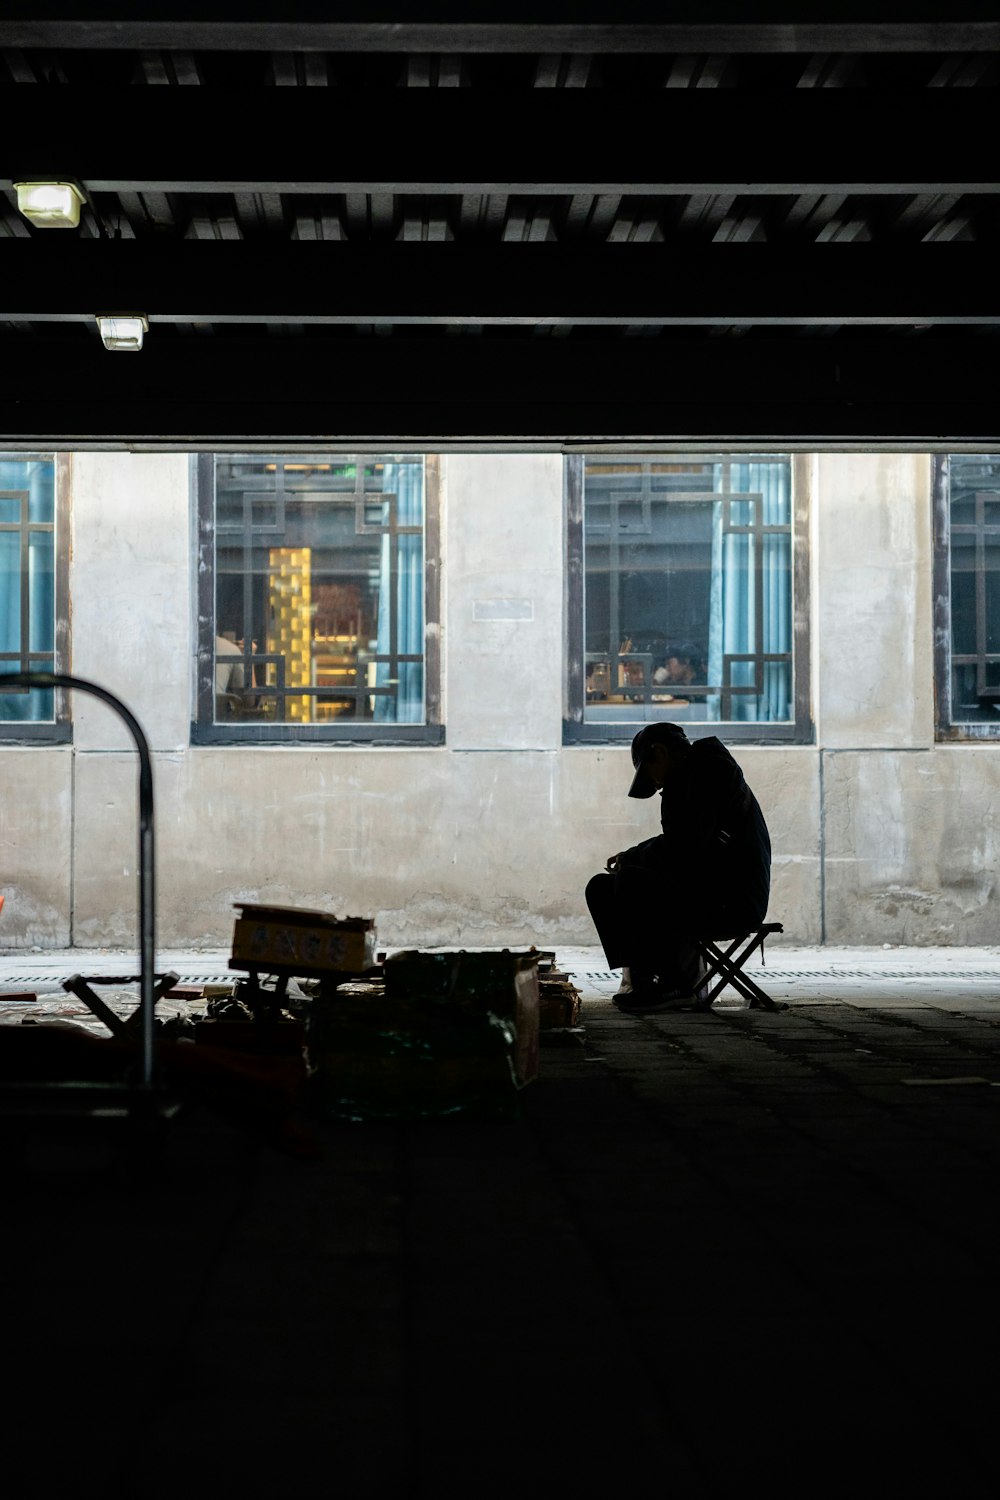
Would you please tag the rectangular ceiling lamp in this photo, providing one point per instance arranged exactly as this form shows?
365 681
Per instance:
122 332
50 205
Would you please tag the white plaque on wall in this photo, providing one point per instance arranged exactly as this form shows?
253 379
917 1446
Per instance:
503 609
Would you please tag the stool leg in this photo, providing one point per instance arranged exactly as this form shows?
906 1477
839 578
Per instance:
718 964
730 970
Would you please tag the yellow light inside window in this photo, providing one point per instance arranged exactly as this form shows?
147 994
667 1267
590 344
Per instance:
50 205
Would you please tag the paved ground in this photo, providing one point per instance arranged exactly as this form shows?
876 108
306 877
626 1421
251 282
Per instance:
716 1254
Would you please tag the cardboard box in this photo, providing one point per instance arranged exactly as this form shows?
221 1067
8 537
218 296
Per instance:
295 940
558 1005
502 982
380 1057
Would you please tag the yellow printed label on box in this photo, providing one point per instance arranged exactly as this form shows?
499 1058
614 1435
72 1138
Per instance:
295 945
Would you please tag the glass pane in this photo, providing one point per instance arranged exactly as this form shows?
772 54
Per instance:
991 566
36 707
672 596
263 512
375 512
42 491
768 479
10 591
631 517
37 477
41 592
968 704
963 595
33 480
965 704
316 602
974 501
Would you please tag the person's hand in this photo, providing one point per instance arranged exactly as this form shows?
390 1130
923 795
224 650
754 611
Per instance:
612 863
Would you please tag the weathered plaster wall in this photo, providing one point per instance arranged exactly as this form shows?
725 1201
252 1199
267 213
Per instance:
504 581
440 847
878 835
907 830
872 569
912 846
36 820
130 583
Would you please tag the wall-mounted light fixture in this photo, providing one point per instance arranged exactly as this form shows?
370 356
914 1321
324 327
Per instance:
50 205
123 331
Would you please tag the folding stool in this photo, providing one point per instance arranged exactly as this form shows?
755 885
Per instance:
727 967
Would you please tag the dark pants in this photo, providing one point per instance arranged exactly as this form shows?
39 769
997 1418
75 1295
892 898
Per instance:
645 921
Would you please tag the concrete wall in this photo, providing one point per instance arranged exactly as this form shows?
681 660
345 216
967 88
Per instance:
36 853
878 834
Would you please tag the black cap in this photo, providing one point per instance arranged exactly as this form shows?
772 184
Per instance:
648 736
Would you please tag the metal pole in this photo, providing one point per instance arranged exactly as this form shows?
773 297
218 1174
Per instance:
147 868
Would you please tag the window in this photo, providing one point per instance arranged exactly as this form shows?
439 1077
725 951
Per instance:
33 592
318 583
687 595
967 595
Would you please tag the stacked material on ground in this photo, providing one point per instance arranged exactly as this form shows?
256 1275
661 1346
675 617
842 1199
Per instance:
558 999
288 953
503 983
420 1034
451 1033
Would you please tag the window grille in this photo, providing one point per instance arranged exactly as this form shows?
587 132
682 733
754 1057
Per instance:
687 595
967 595
315 597
33 610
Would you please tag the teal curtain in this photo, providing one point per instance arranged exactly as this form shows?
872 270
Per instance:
733 606
37 477
406 482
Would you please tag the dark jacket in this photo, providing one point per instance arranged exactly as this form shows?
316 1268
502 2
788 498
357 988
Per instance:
714 845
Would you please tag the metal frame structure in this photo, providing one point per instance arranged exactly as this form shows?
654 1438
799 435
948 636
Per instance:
810 264
138 1097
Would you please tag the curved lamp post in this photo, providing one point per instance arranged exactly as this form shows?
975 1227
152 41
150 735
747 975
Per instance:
147 902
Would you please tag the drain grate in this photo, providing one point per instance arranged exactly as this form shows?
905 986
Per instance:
973 976
26 981
55 977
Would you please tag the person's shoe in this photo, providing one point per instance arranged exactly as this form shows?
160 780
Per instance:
646 999
625 988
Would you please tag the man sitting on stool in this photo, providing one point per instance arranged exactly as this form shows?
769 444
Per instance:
708 873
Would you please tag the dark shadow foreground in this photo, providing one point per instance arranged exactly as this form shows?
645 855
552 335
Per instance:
714 1254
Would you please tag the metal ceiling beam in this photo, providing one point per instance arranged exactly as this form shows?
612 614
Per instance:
438 392
693 26
63 279
542 141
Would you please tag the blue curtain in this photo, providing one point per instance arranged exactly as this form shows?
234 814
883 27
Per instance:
37 476
733 613
406 482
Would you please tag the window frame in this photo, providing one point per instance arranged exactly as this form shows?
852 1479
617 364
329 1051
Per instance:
59 730
945 730
204 731
799 730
